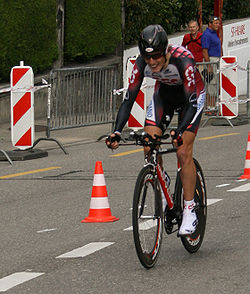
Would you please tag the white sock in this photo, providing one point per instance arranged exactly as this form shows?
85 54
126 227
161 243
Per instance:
189 204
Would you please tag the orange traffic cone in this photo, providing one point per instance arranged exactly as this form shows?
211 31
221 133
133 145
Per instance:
99 211
246 174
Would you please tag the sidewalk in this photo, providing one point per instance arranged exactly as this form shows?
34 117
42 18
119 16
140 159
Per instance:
81 135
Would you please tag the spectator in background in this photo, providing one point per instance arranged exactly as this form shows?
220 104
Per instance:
211 50
211 44
192 41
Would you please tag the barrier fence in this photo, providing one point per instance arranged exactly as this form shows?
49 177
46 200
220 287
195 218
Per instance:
210 75
82 96
224 83
88 96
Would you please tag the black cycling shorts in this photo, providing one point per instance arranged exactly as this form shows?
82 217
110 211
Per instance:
160 112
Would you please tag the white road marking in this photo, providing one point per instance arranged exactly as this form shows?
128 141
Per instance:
128 229
85 250
222 185
15 279
144 226
151 223
241 180
242 188
212 201
46 230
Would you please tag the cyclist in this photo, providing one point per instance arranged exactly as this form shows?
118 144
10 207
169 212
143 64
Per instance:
179 87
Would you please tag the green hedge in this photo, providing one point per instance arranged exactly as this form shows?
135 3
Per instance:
171 14
174 14
92 28
28 33
231 9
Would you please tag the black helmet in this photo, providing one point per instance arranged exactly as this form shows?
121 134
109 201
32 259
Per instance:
153 39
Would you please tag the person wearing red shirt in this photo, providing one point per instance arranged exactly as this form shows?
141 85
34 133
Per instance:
192 41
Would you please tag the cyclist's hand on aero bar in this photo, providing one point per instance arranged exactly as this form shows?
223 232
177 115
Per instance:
176 138
113 140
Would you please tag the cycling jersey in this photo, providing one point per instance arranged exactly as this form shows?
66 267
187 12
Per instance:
177 87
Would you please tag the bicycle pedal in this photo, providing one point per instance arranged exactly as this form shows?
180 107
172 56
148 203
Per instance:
169 225
169 228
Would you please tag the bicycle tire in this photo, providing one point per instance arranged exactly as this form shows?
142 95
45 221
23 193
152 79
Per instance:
147 217
193 242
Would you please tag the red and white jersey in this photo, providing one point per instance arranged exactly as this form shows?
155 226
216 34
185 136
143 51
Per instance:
182 80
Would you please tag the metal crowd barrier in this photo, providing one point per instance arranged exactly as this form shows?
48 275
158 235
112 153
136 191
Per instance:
210 75
212 87
82 96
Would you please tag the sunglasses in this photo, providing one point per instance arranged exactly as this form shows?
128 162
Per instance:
153 56
214 18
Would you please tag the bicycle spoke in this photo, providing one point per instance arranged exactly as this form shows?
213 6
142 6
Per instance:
147 214
147 225
143 200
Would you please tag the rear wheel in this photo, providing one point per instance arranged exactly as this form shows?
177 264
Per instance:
147 217
193 242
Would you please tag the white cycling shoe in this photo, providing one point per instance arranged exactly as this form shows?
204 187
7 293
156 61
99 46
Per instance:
189 221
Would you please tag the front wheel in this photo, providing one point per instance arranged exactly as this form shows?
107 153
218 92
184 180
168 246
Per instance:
193 242
147 217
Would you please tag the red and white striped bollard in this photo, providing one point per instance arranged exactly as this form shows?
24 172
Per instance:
22 106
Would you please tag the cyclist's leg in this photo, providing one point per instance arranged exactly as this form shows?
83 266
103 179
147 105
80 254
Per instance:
193 242
188 178
157 120
151 130
185 151
185 158
188 173
159 115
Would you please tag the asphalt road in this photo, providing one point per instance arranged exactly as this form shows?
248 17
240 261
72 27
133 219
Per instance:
43 201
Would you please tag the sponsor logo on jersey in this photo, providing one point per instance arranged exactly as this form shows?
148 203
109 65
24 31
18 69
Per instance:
150 112
133 74
169 76
189 73
201 100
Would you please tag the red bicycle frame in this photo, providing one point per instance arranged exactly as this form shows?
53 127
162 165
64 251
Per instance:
163 184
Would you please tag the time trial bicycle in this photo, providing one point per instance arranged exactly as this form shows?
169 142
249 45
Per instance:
148 217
